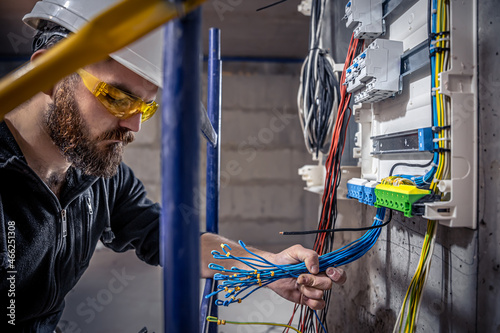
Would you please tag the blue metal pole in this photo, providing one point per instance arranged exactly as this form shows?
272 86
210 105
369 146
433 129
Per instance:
179 232
214 91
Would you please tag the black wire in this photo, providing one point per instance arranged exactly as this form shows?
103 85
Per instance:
410 165
319 74
271 5
308 232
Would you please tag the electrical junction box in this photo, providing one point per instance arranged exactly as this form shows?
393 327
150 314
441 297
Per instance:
365 17
374 74
399 129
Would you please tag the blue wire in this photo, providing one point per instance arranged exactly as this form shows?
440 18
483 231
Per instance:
428 177
324 329
242 282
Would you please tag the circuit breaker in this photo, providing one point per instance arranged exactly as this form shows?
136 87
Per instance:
374 74
365 18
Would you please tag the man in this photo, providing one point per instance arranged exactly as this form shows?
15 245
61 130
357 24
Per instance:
64 186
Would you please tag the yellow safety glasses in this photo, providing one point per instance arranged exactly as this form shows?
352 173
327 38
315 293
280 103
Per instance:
119 103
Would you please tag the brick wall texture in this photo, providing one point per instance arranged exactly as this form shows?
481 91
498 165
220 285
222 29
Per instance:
262 148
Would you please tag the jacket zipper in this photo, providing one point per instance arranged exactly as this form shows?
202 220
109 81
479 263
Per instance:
59 247
86 233
60 235
64 223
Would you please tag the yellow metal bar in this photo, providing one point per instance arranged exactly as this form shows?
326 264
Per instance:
110 31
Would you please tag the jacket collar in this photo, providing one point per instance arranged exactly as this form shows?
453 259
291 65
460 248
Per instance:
11 156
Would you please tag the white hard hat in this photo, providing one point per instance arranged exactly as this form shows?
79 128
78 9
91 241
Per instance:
143 57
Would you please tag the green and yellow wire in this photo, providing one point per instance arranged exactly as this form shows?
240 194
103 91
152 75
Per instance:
224 322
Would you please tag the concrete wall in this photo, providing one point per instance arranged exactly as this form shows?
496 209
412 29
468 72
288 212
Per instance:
488 287
262 149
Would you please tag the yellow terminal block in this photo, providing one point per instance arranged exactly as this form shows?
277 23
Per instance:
400 197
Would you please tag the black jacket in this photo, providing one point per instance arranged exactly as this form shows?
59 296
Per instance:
46 243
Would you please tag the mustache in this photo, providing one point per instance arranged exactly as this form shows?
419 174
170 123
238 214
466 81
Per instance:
121 134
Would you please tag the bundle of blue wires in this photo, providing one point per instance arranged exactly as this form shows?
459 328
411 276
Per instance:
238 283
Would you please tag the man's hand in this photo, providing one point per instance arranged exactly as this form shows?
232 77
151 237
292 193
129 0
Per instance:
307 289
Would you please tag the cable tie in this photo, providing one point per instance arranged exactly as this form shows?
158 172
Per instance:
439 40
228 254
272 273
438 49
436 34
436 129
376 218
434 164
440 139
441 150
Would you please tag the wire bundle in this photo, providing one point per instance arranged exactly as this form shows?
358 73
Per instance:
324 241
317 98
239 283
439 52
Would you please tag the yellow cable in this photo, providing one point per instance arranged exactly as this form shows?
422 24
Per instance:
224 322
110 31
414 293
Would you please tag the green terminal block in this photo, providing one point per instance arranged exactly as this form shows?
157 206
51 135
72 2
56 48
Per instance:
399 197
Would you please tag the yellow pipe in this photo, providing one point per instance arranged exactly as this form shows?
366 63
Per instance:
110 31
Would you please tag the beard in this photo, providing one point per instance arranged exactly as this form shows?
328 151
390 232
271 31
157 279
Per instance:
71 134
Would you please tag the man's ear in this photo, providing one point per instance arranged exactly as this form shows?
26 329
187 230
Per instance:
35 55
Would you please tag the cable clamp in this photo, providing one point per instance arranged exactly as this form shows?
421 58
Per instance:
436 34
439 40
436 49
436 129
